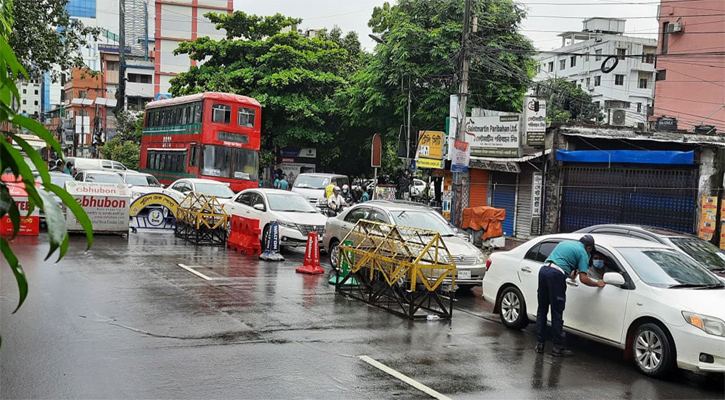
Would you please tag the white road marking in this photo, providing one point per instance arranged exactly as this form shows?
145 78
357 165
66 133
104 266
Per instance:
412 382
197 273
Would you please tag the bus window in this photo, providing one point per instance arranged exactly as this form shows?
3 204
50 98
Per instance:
199 113
221 113
216 161
245 117
193 156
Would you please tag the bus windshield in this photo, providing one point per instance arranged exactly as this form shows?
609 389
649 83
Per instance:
229 162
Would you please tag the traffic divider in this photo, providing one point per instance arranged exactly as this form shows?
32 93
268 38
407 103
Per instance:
244 235
312 256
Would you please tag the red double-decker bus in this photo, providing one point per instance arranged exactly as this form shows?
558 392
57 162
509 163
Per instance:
207 135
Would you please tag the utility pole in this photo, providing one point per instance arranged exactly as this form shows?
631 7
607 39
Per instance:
122 54
408 162
462 99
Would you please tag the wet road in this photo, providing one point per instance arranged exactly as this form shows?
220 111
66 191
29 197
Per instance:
125 321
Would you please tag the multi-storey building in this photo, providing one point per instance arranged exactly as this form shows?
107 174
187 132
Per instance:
691 64
626 92
177 21
30 98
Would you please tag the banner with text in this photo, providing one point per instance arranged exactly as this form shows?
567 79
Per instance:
29 224
708 217
494 136
461 156
107 205
535 121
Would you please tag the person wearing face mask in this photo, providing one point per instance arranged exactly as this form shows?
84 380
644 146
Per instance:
599 267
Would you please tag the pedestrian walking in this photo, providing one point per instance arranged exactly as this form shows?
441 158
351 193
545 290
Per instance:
567 258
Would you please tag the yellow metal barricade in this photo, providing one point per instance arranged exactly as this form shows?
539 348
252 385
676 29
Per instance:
201 219
398 268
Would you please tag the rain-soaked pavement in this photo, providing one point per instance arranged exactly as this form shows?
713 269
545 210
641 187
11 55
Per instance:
125 321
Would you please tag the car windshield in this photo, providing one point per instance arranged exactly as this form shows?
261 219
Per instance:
311 182
704 252
289 203
667 268
218 190
104 178
60 179
142 180
422 219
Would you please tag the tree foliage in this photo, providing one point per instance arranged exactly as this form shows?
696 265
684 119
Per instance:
294 78
129 125
421 53
126 152
46 39
567 102
16 155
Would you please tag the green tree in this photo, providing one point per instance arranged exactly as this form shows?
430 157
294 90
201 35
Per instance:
129 125
420 53
16 162
294 78
126 152
46 39
567 102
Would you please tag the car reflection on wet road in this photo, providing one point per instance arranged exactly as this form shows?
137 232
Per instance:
124 320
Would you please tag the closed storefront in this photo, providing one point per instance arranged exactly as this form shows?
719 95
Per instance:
479 188
503 195
664 197
523 205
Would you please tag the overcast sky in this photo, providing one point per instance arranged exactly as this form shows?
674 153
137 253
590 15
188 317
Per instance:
540 26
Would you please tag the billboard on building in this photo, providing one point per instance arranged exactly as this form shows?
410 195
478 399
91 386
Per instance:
494 136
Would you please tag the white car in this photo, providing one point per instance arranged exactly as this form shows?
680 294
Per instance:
469 259
664 309
141 183
98 177
294 213
417 189
180 188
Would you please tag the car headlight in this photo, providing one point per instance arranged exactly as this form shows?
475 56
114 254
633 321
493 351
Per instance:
711 325
480 257
288 225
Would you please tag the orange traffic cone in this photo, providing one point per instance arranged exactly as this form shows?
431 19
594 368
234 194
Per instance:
312 256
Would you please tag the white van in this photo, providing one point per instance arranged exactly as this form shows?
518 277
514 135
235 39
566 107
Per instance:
82 164
312 185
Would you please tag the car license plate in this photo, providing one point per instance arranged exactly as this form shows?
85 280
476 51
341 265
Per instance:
464 274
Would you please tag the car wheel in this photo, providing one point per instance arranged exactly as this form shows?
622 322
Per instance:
334 253
265 234
654 354
513 309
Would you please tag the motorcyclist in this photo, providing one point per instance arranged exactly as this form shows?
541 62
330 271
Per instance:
347 194
336 202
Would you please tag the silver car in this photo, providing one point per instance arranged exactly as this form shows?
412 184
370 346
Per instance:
470 261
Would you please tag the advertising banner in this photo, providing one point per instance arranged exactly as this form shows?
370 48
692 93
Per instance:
708 217
722 225
494 136
429 163
384 192
107 205
537 194
461 156
430 144
29 224
535 122
505 166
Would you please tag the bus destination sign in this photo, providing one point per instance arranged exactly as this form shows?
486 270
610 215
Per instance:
233 137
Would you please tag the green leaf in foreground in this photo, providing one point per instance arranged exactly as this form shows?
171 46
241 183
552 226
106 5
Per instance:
17 271
76 209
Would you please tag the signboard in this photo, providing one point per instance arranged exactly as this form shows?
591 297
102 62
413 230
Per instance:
722 225
537 194
384 192
376 150
292 169
666 124
430 144
29 224
107 205
306 152
154 211
460 156
163 96
494 136
429 163
535 122
503 166
708 217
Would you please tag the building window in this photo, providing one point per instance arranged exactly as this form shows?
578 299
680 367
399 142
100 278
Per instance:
24 102
619 80
586 57
36 102
661 75
639 107
589 81
621 53
642 83
665 37
572 61
36 91
82 94
597 55
25 91
551 66
562 64
597 80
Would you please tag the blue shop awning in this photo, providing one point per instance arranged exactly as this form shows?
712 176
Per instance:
627 156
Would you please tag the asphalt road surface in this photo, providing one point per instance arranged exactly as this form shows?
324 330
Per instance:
124 320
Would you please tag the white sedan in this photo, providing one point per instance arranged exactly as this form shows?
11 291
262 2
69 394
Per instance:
180 188
295 215
664 309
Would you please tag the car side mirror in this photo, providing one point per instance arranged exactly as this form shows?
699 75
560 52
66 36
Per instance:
259 206
614 278
130 185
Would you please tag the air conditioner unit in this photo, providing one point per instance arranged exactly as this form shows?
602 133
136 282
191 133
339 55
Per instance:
674 27
619 117
590 87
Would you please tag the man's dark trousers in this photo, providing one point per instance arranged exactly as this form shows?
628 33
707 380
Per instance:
552 292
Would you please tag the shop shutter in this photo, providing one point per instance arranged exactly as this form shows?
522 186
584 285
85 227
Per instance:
503 195
523 205
479 188
664 198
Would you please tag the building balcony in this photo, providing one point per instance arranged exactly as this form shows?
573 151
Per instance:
135 89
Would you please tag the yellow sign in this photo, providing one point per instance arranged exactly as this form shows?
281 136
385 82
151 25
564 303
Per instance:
150 199
428 163
708 218
430 144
